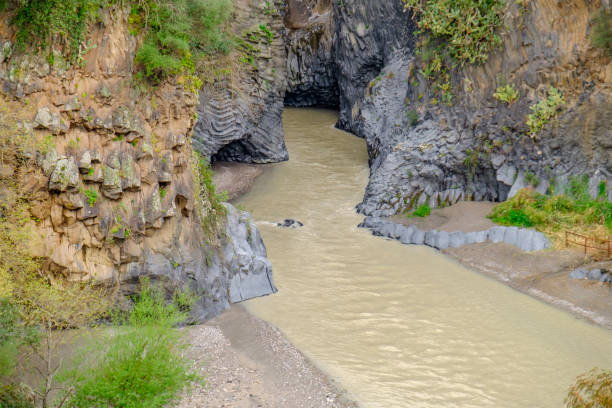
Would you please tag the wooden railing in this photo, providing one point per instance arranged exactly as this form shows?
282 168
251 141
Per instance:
602 246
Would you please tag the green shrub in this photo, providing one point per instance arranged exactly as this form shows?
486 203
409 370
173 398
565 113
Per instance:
92 196
602 30
468 28
422 211
460 32
543 111
141 364
178 32
41 23
209 202
507 94
12 396
591 390
413 117
14 334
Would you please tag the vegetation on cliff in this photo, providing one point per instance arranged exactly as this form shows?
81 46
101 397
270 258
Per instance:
456 32
40 307
175 34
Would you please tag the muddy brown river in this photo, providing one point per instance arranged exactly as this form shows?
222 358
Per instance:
400 326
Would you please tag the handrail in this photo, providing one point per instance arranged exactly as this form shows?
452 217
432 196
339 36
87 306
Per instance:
600 244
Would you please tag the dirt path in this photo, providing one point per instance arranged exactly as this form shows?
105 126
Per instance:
248 363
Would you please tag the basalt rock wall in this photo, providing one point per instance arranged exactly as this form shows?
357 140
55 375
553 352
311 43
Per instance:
479 148
112 184
361 57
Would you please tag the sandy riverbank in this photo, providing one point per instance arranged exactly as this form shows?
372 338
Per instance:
248 363
542 274
235 178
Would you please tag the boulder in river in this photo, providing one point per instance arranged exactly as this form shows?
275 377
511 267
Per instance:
289 223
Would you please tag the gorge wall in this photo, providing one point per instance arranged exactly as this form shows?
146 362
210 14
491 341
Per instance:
113 187
361 57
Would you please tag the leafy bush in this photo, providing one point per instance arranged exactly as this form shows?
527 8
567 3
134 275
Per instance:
177 32
141 365
461 32
507 94
467 27
14 334
591 390
13 396
602 30
543 111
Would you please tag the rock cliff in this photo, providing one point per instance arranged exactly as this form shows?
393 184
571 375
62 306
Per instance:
361 57
114 194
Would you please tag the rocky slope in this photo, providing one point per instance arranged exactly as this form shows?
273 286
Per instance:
113 196
360 56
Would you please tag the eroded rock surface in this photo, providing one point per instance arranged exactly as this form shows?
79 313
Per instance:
113 193
360 57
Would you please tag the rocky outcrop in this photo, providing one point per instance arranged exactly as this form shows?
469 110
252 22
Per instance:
522 238
240 110
478 148
361 57
113 195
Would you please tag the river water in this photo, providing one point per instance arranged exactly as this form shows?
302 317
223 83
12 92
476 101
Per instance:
400 326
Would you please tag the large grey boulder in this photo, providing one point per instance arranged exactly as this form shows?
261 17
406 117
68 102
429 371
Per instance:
249 270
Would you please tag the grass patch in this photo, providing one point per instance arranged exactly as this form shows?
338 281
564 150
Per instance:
179 32
574 211
422 211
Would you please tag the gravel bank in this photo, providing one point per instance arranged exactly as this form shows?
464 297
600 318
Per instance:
248 363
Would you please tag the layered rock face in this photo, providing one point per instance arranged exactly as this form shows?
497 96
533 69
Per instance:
113 196
478 148
360 57
239 115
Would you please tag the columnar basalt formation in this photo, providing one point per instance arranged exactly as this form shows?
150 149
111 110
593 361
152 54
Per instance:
239 116
360 57
112 193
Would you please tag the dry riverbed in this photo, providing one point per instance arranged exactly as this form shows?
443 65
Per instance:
248 363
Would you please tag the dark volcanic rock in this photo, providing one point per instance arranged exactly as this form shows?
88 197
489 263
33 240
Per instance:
289 223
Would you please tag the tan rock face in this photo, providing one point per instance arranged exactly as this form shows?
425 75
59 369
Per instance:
111 154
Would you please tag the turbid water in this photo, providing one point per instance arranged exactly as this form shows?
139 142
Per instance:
400 326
